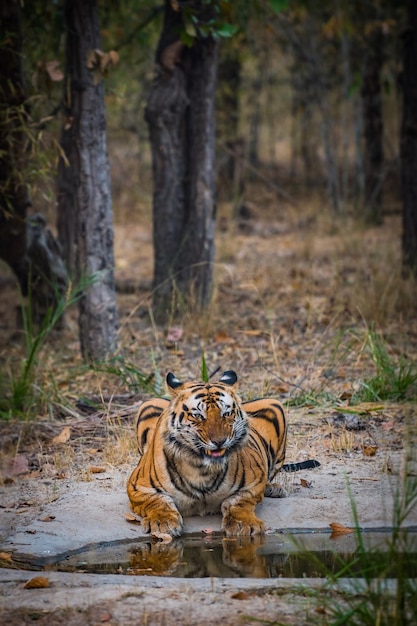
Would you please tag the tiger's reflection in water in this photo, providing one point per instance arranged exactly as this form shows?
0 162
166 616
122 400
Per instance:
231 557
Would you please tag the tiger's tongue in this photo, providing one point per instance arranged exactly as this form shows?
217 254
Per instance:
216 452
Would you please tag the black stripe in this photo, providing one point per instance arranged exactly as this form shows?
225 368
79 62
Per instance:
296 467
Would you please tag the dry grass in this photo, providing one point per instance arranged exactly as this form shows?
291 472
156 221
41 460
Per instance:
295 296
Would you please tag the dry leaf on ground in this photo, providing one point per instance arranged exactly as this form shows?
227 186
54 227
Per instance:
16 466
339 529
39 582
94 469
240 595
175 333
370 450
63 436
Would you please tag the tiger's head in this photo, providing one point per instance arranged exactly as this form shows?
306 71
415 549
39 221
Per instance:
206 420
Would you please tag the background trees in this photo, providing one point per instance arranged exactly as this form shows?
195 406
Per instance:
409 141
180 115
85 205
320 78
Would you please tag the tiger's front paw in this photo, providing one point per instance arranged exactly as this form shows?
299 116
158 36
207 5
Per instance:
161 523
243 525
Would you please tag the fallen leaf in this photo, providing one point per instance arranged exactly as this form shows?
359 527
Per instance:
339 529
63 436
369 450
5 556
54 71
254 333
305 483
48 518
170 347
34 474
361 409
175 333
388 425
222 337
94 469
39 582
240 595
207 531
16 466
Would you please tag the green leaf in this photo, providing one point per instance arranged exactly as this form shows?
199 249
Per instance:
204 370
187 39
226 30
279 5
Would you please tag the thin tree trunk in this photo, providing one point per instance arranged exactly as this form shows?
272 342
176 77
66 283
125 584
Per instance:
66 191
14 197
197 250
373 127
344 123
165 115
25 242
180 115
86 152
228 117
408 146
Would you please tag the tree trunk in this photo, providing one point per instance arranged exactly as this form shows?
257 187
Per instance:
373 127
230 179
14 197
180 115
408 147
67 188
88 207
25 243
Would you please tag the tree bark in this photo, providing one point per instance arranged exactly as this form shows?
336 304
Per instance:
229 177
408 144
25 243
180 116
373 127
14 197
88 207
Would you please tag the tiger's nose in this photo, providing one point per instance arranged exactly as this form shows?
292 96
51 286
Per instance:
219 442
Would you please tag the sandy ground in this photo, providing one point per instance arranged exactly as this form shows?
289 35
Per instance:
41 518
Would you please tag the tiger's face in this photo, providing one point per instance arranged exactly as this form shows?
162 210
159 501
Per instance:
206 419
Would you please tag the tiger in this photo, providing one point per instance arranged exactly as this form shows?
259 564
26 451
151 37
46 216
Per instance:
205 451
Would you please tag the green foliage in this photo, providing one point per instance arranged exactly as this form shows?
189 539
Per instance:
382 588
204 371
24 393
279 5
134 379
306 397
393 380
210 19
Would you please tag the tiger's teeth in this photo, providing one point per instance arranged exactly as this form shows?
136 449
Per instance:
216 452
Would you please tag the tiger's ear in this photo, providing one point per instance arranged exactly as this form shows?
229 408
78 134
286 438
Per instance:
229 378
173 382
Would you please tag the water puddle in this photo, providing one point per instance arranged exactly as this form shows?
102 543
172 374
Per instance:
297 555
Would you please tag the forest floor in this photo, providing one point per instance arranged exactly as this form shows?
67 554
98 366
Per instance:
305 309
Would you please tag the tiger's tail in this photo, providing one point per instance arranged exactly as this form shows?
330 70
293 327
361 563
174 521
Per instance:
296 467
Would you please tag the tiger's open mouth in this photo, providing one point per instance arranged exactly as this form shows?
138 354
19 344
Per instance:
216 453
